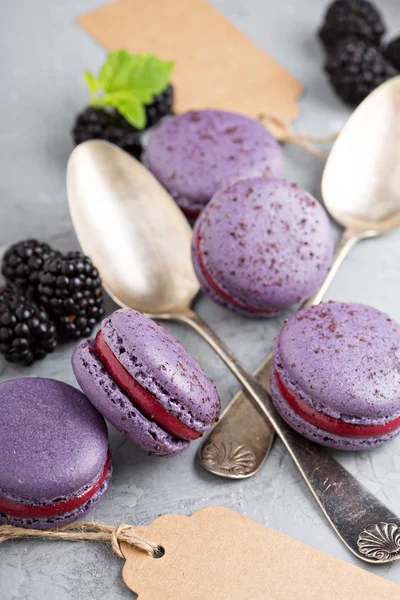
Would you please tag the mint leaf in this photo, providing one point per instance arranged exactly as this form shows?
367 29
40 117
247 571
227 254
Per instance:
128 82
149 75
116 98
115 73
92 83
134 112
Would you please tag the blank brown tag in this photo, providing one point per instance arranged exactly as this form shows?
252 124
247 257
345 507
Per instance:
217 554
216 66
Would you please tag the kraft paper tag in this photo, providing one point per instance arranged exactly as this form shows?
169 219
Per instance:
216 66
217 554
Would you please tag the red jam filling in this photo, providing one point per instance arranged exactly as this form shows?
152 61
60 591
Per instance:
27 511
331 424
216 287
139 396
191 212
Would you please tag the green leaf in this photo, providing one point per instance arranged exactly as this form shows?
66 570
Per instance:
144 74
115 73
92 83
128 82
116 98
134 112
149 75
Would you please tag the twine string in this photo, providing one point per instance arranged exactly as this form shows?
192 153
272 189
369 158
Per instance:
83 530
283 132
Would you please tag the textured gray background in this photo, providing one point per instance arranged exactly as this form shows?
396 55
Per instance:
42 59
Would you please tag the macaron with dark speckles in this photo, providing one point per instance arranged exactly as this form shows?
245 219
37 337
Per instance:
200 152
336 375
145 383
55 463
261 246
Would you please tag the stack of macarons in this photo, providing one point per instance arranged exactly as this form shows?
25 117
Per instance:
261 246
145 383
336 375
198 153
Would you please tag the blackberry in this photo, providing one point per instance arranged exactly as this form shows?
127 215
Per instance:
356 69
26 331
110 125
393 52
160 107
351 18
23 261
70 289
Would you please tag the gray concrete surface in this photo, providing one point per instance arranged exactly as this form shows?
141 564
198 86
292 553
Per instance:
42 59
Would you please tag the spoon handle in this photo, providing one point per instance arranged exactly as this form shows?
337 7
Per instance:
360 520
242 427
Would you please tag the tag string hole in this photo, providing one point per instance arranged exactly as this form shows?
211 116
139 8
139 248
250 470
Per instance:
159 552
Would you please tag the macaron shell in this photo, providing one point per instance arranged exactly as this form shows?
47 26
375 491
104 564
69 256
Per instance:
54 443
344 360
163 367
318 435
197 153
61 519
116 407
265 242
218 298
190 206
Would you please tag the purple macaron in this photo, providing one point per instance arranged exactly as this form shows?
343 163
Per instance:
55 462
198 153
145 383
336 375
261 246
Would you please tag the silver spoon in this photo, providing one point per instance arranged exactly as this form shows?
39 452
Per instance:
361 190
139 240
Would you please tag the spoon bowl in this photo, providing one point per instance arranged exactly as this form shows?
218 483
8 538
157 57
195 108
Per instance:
131 229
361 180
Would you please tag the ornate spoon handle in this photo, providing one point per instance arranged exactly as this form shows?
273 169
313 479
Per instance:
362 522
365 525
